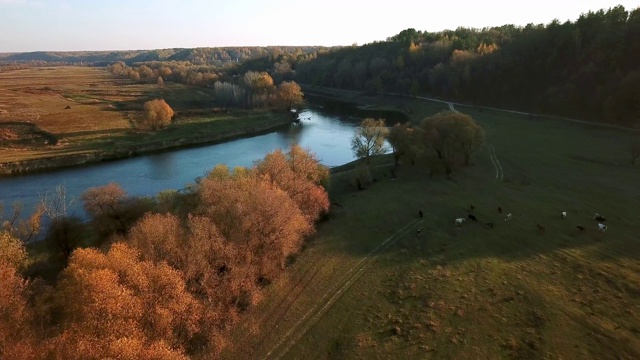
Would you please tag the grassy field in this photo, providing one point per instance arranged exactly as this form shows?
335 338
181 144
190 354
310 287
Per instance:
367 286
91 111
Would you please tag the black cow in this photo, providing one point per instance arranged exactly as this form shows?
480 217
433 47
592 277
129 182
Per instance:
472 218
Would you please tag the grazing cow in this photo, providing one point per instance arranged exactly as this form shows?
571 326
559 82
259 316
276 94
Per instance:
540 228
420 213
418 232
602 227
459 221
599 217
490 225
472 218
580 228
499 210
508 217
564 214
471 207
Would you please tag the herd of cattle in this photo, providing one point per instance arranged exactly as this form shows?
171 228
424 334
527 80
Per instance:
599 219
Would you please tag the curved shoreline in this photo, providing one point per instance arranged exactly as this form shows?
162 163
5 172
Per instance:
51 163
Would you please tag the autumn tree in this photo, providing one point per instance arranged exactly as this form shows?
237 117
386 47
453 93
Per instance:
157 114
18 335
299 174
259 217
259 86
19 338
369 139
108 302
213 268
12 251
289 94
111 210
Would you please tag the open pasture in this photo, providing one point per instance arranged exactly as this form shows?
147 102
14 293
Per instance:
369 285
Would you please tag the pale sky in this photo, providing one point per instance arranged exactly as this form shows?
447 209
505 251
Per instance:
70 25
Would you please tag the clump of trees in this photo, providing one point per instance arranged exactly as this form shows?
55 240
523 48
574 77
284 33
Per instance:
157 114
445 140
165 284
257 90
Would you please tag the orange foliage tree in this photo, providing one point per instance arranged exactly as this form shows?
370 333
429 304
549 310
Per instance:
256 215
111 301
301 176
289 94
18 335
111 210
157 114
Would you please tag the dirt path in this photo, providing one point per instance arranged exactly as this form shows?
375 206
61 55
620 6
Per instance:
283 337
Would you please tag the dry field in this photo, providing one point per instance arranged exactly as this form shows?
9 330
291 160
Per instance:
87 110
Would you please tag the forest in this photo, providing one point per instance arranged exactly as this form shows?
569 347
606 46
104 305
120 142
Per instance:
585 69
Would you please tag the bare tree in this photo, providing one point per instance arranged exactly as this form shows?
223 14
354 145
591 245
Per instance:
369 139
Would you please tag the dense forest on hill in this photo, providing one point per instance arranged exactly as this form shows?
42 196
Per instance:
196 56
586 69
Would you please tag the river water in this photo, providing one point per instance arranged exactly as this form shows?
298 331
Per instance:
326 129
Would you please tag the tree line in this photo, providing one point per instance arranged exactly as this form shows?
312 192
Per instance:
167 276
584 68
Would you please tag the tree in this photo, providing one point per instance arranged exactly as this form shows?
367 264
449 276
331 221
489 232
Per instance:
403 142
450 134
289 94
111 210
260 218
110 301
157 114
18 335
12 252
300 175
369 139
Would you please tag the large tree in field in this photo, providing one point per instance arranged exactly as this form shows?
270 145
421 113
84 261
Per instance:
369 138
403 142
289 94
451 134
157 114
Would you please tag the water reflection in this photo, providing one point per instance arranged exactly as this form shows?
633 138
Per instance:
325 131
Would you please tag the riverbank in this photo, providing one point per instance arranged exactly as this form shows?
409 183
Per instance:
189 133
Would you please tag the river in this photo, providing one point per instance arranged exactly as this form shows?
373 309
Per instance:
326 129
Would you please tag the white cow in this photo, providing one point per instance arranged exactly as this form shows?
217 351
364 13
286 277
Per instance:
564 214
602 227
508 217
459 221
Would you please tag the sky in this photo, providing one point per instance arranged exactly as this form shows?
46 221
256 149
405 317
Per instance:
90 25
